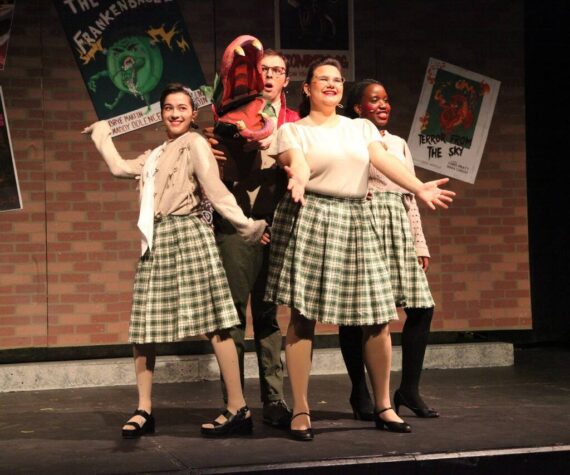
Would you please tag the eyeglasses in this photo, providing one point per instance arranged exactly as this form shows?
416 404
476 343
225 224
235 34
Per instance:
337 81
276 70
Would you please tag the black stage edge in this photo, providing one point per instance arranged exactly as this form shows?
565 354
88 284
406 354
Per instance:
510 420
543 460
200 347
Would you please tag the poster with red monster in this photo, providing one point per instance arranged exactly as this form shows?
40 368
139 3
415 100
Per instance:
452 120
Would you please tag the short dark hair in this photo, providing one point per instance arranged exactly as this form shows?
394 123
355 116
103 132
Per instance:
173 88
305 106
355 96
273 52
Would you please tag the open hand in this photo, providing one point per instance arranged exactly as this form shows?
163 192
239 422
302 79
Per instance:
433 196
100 125
295 186
88 129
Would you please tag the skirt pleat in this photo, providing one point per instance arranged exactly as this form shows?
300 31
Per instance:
180 287
325 262
409 282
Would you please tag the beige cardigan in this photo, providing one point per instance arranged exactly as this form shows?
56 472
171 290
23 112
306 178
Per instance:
378 182
185 167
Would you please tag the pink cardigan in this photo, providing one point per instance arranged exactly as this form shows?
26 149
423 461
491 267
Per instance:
378 182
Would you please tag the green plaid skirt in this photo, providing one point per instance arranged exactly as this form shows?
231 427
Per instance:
325 262
390 220
180 287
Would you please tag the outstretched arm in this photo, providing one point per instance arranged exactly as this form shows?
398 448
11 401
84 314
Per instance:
389 165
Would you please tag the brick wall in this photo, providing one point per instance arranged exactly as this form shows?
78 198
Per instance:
67 260
479 273
23 286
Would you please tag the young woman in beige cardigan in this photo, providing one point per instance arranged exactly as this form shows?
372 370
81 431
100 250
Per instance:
180 286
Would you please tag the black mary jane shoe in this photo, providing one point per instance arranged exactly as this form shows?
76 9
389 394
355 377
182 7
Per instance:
391 426
138 430
418 410
235 424
304 435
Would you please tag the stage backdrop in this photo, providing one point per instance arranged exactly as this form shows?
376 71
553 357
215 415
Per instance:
68 258
306 31
127 52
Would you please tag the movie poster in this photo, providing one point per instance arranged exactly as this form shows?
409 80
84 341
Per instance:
452 120
127 51
10 197
307 30
6 15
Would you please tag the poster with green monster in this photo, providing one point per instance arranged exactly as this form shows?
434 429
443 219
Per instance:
127 51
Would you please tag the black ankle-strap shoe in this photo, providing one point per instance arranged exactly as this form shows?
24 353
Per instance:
235 424
138 430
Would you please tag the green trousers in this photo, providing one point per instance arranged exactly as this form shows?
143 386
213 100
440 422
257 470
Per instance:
246 268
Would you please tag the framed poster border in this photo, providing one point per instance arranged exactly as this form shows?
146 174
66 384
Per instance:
455 161
300 59
7 128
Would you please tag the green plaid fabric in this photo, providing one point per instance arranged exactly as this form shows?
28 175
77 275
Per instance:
390 220
180 287
325 262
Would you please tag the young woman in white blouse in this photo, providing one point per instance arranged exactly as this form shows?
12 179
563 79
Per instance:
325 262
180 286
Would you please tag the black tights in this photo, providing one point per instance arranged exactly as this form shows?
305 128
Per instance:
414 342
351 346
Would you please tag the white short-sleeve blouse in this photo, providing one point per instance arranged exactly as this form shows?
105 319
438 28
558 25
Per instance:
337 156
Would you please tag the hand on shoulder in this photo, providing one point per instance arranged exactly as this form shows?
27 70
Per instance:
214 142
262 144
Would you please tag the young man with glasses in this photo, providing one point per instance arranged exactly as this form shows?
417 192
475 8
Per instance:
257 193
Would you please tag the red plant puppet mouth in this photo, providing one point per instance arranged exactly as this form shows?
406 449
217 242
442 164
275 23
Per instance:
237 93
